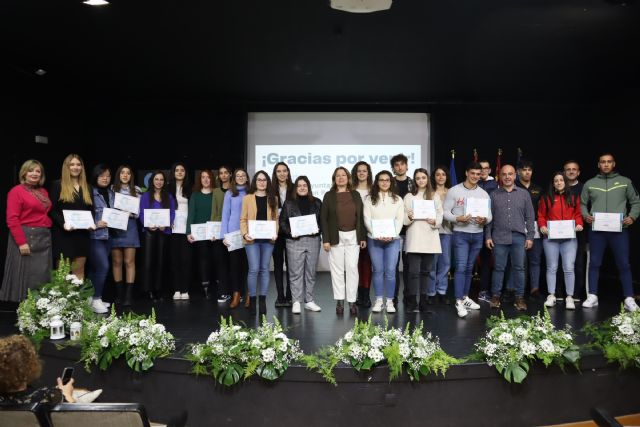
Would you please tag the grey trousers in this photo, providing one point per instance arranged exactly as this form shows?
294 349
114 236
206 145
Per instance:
303 257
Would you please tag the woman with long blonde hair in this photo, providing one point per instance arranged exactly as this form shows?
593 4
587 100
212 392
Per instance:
71 192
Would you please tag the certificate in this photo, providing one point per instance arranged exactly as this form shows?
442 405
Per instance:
234 239
262 229
199 232
383 228
79 220
562 229
180 223
214 229
303 225
157 218
477 207
611 222
424 209
115 218
127 203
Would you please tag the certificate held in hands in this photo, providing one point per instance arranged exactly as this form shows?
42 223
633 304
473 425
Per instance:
79 220
477 207
157 218
262 229
127 203
199 232
234 239
424 209
304 225
611 222
381 228
562 229
115 218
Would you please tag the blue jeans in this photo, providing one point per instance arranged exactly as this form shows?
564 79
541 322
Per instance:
533 259
99 264
567 249
466 247
619 244
384 257
258 257
438 276
516 252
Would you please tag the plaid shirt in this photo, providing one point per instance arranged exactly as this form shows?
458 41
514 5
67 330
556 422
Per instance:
512 211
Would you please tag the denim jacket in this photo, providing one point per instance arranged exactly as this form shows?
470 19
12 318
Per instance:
98 206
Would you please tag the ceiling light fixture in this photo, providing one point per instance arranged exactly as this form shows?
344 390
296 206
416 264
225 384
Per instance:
96 2
361 6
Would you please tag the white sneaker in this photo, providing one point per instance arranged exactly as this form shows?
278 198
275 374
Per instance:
377 307
390 307
591 301
177 295
295 308
551 300
98 307
470 304
460 308
184 295
569 303
630 304
312 306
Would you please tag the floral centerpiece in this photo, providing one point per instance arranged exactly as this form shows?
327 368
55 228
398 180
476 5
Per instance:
619 338
65 295
512 344
367 345
139 338
233 352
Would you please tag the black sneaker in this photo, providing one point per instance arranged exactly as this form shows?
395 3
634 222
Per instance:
281 302
224 298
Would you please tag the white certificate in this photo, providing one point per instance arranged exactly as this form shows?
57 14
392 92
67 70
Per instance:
115 218
214 229
611 222
303 225
199 232
234 239
79 220
127 203
262 229
562 229
180 223
383 228
424 209
477 207
157 218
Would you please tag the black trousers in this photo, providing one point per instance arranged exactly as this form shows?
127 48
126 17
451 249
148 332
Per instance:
204 260
180 259
221 257
238 268
155 243
279 260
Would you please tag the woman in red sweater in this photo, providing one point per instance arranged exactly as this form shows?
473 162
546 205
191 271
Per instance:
28 263
559 204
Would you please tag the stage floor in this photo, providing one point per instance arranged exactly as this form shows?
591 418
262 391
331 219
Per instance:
193 320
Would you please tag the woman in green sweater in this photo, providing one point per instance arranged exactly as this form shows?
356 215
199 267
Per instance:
199 213
220 252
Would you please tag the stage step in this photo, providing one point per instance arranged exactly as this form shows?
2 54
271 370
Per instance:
632 420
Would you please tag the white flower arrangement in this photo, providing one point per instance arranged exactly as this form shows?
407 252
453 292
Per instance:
512 344
619 338
368 345
65 296
140 339
233 352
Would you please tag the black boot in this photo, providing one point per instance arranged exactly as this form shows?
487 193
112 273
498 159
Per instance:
422 306
119 292
252 306
262 305
366 299
411 306
128 295
359 298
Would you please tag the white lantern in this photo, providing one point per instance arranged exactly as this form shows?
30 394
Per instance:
75 330
57 328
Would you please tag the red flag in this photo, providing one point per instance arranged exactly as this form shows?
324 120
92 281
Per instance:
498 167
475 155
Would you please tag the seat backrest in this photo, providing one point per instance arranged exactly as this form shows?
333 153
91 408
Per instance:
99 415
27 415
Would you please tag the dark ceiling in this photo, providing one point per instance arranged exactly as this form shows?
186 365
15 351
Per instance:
301 51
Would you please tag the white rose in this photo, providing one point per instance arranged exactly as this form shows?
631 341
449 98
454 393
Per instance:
134 339
144 323
158 328
375 354
213 337
625 329
506 338
104 341
527 348
376 342
102 330
282 336
348 335
268 355
521 332
547 346
490 349
283 346
42 303
242 335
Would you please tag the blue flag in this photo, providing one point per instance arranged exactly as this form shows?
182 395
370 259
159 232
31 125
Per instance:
452 170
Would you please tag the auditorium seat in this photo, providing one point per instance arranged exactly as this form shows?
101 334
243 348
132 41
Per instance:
27 415
99 415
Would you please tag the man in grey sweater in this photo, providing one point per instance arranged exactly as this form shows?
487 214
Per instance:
467 233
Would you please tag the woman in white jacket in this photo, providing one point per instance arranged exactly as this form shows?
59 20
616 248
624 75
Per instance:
422 239
383 203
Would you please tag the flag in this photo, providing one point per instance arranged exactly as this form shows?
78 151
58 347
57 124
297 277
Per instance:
498 167
475 155
518 160
452 169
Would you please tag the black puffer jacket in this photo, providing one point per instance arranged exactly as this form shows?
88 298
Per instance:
291 208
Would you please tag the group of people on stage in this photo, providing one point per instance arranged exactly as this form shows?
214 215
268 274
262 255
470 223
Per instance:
366 224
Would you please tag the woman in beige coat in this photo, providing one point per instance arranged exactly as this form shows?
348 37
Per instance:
422 239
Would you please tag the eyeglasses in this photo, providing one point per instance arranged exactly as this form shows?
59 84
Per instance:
384 180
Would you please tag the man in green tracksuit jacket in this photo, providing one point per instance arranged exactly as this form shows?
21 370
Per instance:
610 192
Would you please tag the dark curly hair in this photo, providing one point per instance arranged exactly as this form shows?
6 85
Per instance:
19 363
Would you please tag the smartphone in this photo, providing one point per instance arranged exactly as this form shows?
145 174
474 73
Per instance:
67 373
